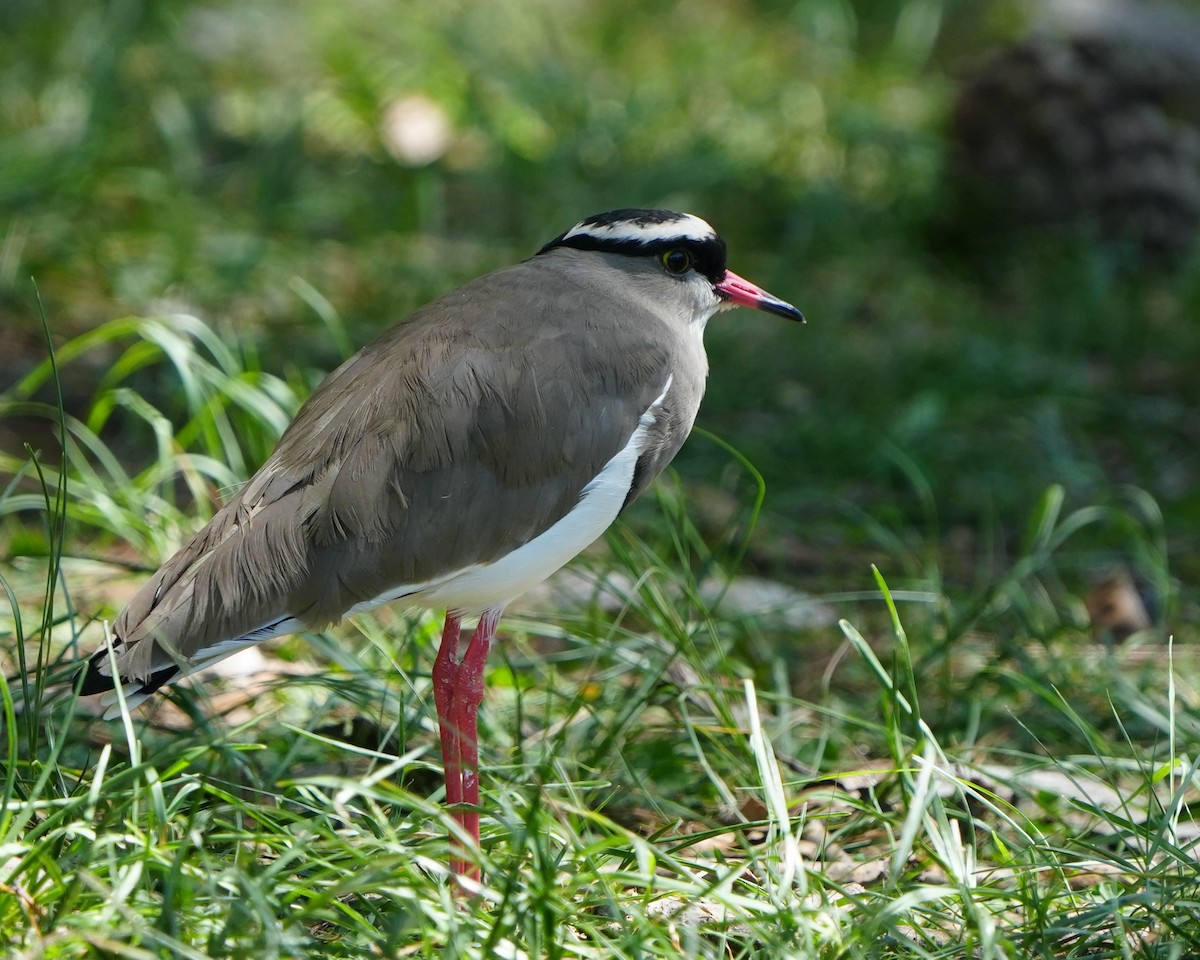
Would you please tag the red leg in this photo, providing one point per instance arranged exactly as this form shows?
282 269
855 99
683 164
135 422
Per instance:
445 682
457 693
468 696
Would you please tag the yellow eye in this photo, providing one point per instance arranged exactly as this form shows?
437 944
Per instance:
677 261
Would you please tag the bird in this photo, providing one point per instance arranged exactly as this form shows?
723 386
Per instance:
454 462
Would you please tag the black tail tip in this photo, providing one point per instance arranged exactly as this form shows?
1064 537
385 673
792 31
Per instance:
93 680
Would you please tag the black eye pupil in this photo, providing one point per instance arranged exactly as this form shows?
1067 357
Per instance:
677 261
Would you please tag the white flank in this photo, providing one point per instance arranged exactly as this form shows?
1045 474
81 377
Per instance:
492 585
687 227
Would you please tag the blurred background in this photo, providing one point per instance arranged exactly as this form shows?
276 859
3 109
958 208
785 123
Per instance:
987 210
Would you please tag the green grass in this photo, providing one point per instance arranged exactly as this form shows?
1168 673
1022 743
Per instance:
966 774
990 418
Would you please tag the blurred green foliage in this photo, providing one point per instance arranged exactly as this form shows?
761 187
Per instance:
212 150
164 153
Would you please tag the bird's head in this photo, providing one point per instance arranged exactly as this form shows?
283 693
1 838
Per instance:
676 253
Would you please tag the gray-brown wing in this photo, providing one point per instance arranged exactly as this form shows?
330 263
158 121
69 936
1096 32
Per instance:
444 443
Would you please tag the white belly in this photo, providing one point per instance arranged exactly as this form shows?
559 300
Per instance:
489 586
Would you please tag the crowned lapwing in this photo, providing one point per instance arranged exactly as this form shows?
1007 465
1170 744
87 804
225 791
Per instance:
456 461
